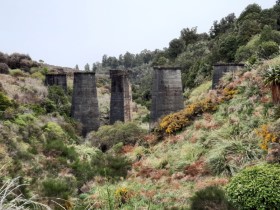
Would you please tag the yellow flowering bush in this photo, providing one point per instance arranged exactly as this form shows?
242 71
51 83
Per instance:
122 195
266 135
178 120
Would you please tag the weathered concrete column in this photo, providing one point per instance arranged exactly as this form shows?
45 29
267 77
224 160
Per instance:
56 79
84 101
121 97
221 69
167 93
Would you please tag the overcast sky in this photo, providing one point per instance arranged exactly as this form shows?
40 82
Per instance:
70 32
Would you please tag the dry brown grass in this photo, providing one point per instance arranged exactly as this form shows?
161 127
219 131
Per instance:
24 90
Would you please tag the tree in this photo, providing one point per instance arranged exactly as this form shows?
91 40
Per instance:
128 60
228 47
224 25
189 35
77 67
176 46
278 2
112 62
252 12
87 68
104 60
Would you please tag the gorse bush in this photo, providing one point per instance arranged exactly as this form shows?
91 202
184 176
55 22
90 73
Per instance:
266 136
178 120
256 187
175 122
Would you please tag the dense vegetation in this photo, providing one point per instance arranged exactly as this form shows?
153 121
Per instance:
197 158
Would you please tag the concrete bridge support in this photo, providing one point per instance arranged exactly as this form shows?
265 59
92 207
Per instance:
84 101
121 97
167 93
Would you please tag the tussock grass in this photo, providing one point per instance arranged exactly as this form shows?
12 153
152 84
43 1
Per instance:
10 199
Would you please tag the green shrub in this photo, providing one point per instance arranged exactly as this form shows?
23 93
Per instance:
38 75
53 130
58 148
256 187
211 197
5 102
58 187
109 135
83 170
244 53
24 119
268 48
17 73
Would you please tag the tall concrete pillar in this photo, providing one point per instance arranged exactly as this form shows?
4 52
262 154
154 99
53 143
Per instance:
221 69
56 79
167 93
84 101
121 97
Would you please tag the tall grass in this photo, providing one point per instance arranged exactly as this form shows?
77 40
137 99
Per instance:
12 199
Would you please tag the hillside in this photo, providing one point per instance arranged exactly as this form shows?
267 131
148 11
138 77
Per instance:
45 149
210 155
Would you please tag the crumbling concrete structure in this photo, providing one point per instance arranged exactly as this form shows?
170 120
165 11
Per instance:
167 93
221 69
121 97
57 79
84 101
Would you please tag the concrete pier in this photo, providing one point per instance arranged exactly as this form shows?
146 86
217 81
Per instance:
221 69
56 79
167 93
121 96
84 101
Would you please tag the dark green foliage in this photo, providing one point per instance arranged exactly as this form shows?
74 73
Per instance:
58 187
58 148
176 46
107 165
4 68
57 101
256 187
268 34
244 53
211 197
112 166
252 11
247 29
223 26
228 47
83 170
189 36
